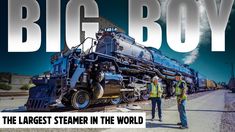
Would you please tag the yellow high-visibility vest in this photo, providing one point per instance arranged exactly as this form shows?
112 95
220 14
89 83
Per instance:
178 90
156 91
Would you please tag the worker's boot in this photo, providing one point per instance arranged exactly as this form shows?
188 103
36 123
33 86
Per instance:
183 127
179 123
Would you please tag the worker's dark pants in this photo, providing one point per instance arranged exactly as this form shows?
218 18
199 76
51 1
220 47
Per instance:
158 102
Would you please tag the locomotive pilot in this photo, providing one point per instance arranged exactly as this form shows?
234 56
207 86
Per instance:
180 92
155 91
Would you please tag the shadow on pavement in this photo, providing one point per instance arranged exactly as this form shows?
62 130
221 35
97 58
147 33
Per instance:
224 111
162 125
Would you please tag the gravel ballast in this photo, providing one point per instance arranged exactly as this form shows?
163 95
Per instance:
228 116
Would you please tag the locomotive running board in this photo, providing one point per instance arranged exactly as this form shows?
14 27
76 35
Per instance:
124 90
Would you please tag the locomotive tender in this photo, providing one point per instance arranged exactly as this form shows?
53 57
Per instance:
114 69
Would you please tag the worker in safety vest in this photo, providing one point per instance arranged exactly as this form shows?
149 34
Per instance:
180 91
155 91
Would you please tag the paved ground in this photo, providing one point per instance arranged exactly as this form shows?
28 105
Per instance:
12 102
205 111
204 114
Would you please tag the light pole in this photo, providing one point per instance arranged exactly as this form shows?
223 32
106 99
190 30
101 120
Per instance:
232 69
232 72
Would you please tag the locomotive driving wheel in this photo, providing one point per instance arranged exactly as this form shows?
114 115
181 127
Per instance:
144 95
80 99
129 96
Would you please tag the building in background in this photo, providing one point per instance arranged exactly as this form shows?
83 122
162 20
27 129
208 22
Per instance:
14 80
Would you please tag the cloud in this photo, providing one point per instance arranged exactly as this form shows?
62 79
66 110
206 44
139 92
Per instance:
204 24
191 57
204 29
163 4
205 35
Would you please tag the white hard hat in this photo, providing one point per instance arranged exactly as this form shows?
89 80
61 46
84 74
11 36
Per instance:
155 78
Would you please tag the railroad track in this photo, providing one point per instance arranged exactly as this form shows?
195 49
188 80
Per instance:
100 107
104 107
7 94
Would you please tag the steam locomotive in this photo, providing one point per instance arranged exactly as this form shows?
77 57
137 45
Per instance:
114 69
